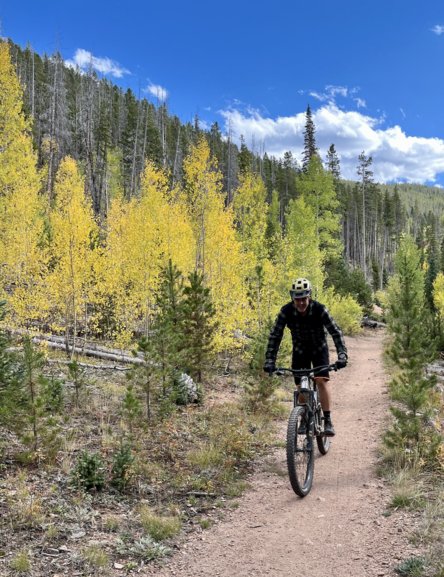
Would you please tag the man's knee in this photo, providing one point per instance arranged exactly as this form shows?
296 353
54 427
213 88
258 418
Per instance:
321 381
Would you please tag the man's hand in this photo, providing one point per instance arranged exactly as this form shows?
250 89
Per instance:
342 360
269 366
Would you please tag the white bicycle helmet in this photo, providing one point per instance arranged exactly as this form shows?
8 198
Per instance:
300 288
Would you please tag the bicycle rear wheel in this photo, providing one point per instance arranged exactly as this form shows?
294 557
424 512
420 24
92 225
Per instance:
300 453
322 441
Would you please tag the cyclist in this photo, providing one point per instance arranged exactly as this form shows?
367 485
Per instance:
307 320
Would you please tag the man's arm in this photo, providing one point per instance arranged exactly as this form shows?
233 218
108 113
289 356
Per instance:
335 331
275 338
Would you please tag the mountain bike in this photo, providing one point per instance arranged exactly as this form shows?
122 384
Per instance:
304 425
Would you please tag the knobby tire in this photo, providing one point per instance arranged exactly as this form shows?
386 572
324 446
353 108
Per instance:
300 453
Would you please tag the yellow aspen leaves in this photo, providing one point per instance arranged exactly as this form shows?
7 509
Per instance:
22 225
73 250
218 250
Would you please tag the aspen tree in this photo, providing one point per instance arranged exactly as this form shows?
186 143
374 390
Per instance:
143 234
318 188
250 210
438 294
251 218
74 233
301 251
23 263
218 253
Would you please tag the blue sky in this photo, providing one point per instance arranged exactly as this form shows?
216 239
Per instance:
371 72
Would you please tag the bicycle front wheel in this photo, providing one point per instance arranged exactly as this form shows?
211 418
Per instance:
300 453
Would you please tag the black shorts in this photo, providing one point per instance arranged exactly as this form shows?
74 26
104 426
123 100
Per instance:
306 360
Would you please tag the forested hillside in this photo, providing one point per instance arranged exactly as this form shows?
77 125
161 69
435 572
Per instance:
123 156
111 134
123 229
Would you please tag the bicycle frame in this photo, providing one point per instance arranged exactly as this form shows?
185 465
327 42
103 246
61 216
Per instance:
307 385
305 423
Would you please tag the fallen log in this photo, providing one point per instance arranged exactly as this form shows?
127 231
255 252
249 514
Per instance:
87 352
89 365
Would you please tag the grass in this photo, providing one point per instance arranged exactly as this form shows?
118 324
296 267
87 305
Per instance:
206 523
157 527
21 563
96 557
25 507
52 532
111 523
206 448
408 491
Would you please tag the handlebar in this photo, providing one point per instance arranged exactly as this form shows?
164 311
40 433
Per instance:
306 372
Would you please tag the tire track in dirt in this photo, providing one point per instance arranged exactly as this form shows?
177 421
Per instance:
341 529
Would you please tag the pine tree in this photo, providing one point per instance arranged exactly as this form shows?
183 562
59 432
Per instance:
199 325
11 394
310 148
333 163
168 328
245 158
411 348
366 180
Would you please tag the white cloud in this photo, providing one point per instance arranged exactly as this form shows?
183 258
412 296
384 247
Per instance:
331 92
360 102
157 91
396 156
438 29
84 60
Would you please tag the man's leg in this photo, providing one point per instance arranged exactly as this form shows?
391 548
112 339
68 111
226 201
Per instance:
324 393
325 398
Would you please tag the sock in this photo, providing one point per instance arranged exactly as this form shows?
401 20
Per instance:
327 416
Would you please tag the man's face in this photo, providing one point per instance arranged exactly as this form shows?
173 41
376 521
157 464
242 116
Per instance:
301 304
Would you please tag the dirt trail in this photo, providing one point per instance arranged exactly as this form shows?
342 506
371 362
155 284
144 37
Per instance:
339 529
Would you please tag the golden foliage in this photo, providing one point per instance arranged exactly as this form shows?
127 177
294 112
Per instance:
22 258
73 249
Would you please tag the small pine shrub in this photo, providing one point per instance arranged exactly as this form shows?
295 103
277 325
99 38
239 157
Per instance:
77 376
52 394
121 467
131 408
89 472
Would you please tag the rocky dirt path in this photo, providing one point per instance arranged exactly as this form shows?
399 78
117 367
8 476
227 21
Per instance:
341 529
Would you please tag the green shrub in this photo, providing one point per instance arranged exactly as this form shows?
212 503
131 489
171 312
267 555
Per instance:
121 467
144 548
412 567
52 393
89 472
345 310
